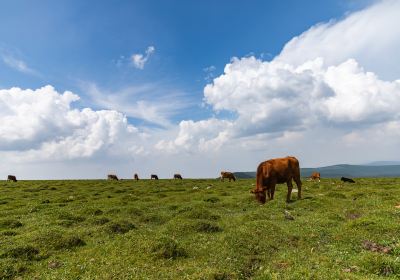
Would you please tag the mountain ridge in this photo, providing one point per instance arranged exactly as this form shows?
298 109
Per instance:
339 170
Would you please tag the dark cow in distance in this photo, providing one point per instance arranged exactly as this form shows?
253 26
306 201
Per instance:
277 171
136 177
315 176
112 177
228 175
11 178
153 176
344 179
177 176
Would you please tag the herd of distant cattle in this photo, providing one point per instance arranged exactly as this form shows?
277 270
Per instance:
269 173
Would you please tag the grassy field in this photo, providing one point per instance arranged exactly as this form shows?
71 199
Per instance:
198 229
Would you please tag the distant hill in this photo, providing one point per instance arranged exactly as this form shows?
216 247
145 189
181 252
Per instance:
345 170
382 163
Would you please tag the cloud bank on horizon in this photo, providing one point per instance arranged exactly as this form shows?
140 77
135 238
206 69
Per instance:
330 96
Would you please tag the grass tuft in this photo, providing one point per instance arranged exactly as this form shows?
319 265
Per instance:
207 227
168 248
22 252
120 227
10 224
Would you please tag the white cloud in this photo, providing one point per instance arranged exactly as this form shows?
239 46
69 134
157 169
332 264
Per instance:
369 36
317 82
331 96
197 136
274 96
139 60
17 64
155 103
41 125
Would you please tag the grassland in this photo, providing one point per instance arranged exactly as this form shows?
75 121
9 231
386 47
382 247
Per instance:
198 229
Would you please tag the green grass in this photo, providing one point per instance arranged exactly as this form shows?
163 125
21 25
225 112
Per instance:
197 229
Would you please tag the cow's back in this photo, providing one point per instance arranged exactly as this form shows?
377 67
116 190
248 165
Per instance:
282 169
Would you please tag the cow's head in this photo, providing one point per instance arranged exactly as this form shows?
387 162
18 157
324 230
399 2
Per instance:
260 195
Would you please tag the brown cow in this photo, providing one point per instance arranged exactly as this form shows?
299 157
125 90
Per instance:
153 176
277 171
136 177
11 178
112 177
177 176
228 175
315 175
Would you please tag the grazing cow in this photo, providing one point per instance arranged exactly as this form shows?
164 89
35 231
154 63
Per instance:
228 175
315 175
112 177
136 177
177 176
11 178
277 171
344 179
153 176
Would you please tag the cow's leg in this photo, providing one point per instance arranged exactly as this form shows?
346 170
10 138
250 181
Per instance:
289 190
272 190
268 192
298 183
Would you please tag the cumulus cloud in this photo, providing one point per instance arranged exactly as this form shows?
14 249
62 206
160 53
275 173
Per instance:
139 60
369 36
197 136
273 96
329 77
41 124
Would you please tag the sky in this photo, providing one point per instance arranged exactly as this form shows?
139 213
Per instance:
89 88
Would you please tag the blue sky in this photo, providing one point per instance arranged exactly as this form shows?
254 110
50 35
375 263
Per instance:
183 79
67 42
